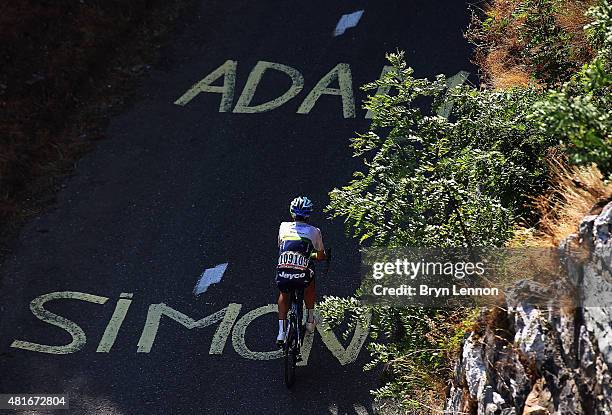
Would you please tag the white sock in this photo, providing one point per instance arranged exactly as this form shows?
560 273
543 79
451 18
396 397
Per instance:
310 315
281 326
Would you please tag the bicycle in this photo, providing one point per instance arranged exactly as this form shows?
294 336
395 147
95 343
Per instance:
294 337
296 330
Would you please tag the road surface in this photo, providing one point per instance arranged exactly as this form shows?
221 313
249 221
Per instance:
251 104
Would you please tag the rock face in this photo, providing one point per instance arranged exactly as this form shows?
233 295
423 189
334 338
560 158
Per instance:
537 360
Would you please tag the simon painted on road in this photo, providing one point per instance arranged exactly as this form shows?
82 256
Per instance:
226 318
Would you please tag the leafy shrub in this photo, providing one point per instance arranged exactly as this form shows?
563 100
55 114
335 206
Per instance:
546 46
464 180
435 181
578 114
599 30
415 347
431 180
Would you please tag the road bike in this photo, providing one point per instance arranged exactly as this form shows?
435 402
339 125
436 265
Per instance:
294 337
296 328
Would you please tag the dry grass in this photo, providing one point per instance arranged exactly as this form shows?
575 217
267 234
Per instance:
504 72
571 18
430 399
574 193
499 49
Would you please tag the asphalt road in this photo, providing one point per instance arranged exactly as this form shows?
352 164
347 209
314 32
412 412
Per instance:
177 189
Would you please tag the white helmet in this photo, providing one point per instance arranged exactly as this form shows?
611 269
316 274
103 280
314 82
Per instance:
301 206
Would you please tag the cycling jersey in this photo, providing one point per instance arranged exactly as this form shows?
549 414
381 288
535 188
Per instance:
296 241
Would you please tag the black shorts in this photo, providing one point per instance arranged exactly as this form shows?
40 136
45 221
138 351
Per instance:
291 279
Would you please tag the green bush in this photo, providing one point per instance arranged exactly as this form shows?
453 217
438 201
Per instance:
599 31
578 114
436 181
431 180
463 180
415 346
545 46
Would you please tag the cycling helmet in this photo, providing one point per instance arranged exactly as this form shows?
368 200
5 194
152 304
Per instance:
301 206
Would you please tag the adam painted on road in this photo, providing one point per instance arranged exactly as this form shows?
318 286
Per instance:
339 75
226 318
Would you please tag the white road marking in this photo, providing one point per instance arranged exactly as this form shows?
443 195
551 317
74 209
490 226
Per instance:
228 72
209 276
238 335
347 21
342 74
452 82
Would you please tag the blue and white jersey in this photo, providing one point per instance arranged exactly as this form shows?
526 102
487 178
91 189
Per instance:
296 241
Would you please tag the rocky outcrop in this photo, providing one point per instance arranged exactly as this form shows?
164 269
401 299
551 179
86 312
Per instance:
537 360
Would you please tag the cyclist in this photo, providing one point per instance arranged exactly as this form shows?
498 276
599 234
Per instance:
299 243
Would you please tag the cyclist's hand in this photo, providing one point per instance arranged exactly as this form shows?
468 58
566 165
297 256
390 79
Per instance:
316 256
328 254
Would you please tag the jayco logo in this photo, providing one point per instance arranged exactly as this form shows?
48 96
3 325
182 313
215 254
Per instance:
292 276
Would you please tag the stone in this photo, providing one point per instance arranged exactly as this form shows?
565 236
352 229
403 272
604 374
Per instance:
558 360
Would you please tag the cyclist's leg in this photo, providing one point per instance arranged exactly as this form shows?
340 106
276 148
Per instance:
283 304
284 299
284 285
310 296
283 307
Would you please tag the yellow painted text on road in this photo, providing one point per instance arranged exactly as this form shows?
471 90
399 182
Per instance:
78 335
228 72
226 318
243 104
339 75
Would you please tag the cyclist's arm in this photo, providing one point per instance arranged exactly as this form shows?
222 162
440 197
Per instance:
318 246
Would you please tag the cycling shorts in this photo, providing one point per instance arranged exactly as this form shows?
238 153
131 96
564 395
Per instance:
291 279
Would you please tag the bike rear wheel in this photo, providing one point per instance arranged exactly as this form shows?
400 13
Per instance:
290 357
